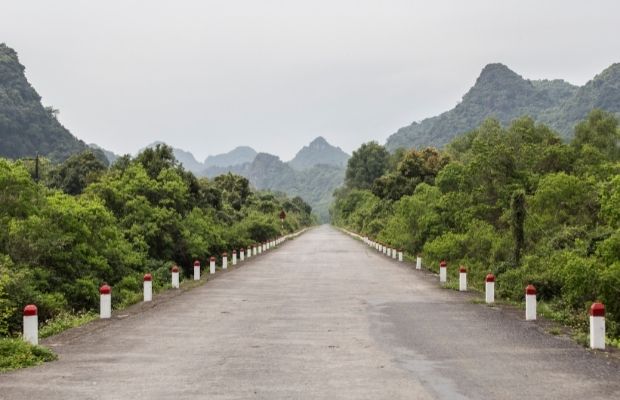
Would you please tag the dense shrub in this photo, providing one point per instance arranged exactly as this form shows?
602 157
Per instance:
514 201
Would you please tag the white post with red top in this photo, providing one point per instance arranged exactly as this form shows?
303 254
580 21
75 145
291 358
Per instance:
597 326
249 251
443 271
489 287
105 302
196 270
31 324
234 260
241 254
530 303
175 277
148 287
418 263
212 265
224 260
462 279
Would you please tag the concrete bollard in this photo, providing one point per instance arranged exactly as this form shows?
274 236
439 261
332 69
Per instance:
241 254
225 261
249 251
105 302
400 255
196 270
254 250
212 265
175 277
597 326
31 324
489 287
148 287
388 252
394 254
530 303
462 279
418 262
234 260
260 248
443 271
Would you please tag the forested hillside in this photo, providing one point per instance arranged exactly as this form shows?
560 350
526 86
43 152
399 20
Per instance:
85 224
315 172
26 127
504 95
516 201
315 185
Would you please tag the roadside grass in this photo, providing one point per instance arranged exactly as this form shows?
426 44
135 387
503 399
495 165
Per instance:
15 353
64 321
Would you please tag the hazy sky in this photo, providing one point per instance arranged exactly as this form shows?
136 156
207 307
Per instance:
210 75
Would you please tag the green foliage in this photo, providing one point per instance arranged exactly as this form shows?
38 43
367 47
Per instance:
65 320
315 184
517 206
514 201
143 214
366 164
15 353
77 172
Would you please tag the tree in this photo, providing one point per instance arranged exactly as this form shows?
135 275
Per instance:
599 130
77 172
366 164
517 206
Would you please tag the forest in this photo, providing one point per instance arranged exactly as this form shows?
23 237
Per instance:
81 224
515 200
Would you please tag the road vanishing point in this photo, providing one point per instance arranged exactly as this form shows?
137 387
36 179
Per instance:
321 317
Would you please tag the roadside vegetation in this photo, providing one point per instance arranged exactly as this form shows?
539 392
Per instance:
517 201
84 224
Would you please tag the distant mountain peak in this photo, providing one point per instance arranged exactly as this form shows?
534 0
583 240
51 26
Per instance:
505 95
238 155
319 141
319 151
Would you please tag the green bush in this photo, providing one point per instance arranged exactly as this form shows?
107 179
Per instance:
15 353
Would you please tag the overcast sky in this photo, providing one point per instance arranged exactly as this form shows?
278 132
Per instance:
207 76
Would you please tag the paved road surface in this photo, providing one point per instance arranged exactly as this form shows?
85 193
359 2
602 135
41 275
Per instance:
322 317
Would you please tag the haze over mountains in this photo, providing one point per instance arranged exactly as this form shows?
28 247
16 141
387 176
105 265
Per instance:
28 128
503 94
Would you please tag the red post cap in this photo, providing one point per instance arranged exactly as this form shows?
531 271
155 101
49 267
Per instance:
462 269
530 290
234 251
224 254
30 310
148 277
212 259
490 278
196 263
443 264
597 310
105 289
175 269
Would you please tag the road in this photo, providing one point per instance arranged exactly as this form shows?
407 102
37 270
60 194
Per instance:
321 317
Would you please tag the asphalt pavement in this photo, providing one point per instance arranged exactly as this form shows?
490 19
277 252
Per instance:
321 317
